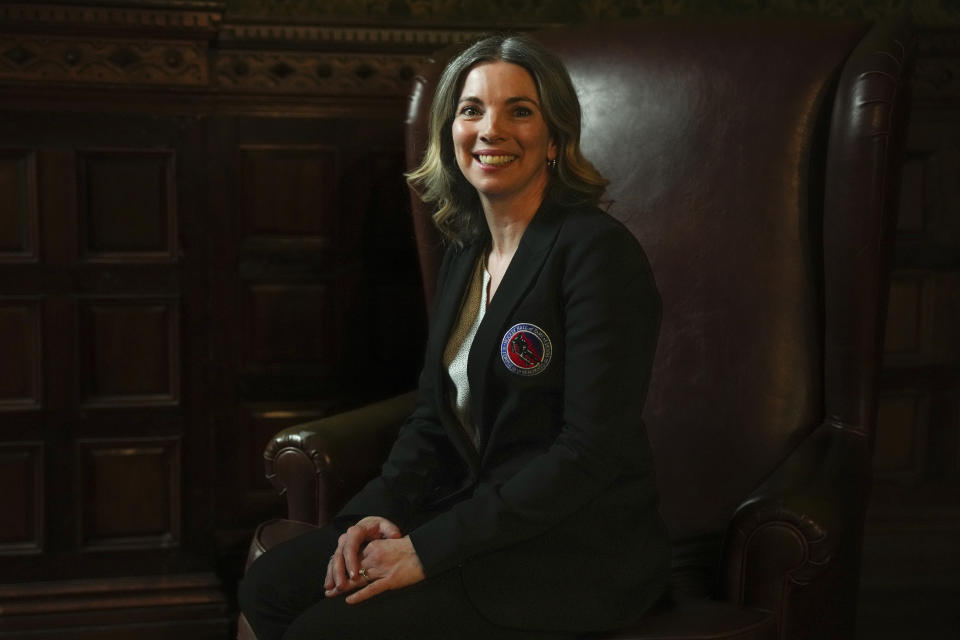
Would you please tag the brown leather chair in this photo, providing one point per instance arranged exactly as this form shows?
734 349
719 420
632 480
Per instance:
757 162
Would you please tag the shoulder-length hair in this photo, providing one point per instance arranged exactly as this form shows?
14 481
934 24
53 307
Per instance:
438 179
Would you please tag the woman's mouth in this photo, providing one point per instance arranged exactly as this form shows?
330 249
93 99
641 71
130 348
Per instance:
494 160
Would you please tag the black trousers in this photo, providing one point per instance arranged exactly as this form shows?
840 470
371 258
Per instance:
282 598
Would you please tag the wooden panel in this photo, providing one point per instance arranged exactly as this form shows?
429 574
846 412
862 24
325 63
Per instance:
901 435
18 216
905 317
289 191
290 324
923 313
127 205
912 200
928 229
130 351
129 492
22 500
20 354
945 318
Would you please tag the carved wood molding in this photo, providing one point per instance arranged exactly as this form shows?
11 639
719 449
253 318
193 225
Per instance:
421 39
185 43
103 60
335 74
507 13
40 15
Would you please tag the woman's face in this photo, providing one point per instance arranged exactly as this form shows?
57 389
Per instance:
500 138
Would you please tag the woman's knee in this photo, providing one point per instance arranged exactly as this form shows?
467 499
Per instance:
259 590
288 578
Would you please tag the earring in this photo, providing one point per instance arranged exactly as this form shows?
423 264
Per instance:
551 163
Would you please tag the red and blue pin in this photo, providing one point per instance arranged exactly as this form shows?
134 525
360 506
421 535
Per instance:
526 349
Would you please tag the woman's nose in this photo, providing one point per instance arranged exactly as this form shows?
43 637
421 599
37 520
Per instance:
491 131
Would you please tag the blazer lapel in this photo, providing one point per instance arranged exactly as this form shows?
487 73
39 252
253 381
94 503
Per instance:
445 315
534 247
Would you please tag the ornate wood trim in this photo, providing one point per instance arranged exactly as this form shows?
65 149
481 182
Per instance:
420 39
314 73
103 60
37 15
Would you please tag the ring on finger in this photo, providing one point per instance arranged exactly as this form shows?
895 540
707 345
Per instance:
366 576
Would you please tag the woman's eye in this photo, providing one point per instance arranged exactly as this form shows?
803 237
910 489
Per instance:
522 112
469 111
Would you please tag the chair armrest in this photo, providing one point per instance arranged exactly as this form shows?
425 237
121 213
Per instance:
794 544
320 464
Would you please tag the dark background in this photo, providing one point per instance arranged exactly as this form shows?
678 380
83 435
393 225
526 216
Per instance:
205 237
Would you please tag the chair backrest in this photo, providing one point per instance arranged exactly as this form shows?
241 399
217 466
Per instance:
754 161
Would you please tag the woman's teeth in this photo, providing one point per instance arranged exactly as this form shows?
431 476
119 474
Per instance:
495 160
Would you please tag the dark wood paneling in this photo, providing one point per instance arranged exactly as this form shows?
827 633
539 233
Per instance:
22 500
318 273
291 324
901 438
120 305
203 230
911 567
18 215
130 351
906 334
289 192
21 355
130 492
911 211
127 204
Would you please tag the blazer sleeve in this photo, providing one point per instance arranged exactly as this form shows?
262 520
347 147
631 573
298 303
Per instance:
612 312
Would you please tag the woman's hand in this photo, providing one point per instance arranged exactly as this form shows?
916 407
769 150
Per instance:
343 569
388 564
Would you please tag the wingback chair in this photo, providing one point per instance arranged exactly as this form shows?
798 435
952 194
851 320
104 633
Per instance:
757 161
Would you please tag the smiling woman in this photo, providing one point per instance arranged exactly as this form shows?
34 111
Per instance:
501 141
518 501
573 179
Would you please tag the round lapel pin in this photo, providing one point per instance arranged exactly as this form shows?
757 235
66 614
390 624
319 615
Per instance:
526 349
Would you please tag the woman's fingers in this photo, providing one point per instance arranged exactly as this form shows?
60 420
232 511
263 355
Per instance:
337 582
336 578
388 564
343 568
355 537
374 588
328 582
388 529
339 566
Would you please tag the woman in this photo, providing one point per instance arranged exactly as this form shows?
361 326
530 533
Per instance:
519 498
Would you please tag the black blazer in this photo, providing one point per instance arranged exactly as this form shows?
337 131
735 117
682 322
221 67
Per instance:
553 520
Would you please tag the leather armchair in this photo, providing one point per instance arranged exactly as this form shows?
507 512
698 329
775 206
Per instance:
758 163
